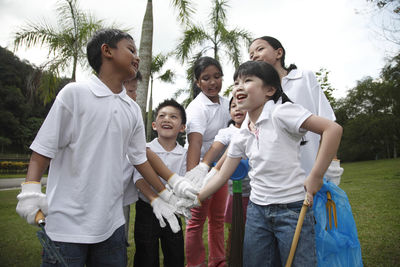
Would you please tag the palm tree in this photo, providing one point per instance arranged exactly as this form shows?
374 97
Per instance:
146 45
216 38
157 64
66 41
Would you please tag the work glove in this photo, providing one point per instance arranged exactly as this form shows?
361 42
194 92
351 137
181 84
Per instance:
182 187
163 210
30 201
196 175
334 172
182 205
207 177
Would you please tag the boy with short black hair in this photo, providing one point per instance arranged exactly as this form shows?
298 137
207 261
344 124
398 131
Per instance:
91 127
169 123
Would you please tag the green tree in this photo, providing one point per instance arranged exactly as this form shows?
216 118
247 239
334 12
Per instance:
157 65
323 80
66 41
185 10
197 40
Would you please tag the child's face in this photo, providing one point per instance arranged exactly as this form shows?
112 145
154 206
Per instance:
131 88
210 82
126 60
251 93
237 115
261 50
168 122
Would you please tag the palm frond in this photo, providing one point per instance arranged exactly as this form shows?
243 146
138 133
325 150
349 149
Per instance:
195 35
185 10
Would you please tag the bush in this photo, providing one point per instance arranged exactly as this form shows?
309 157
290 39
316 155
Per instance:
13 166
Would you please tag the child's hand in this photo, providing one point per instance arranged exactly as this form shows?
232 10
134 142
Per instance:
209 175
312 185
162 209
30 201
196 175
182 187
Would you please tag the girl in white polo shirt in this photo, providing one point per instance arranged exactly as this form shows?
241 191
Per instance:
206 115
302 87
270 138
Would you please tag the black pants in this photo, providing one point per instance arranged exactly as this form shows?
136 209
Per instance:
148 232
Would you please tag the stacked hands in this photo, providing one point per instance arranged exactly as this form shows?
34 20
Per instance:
179 196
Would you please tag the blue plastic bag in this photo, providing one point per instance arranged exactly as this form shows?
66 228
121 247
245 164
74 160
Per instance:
337 243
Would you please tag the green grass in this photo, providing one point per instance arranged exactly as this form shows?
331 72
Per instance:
373 188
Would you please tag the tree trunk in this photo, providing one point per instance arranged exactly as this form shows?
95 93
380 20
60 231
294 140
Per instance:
149 127
145 54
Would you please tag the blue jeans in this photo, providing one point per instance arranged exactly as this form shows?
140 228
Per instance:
269 233
111 252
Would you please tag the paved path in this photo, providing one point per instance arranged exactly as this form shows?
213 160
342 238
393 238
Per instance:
15 183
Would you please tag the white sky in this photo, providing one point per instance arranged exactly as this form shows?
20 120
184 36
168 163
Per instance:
315 33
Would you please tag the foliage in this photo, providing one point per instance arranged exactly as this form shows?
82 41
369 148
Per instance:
322 77
66 42
370 115
198 40
13 166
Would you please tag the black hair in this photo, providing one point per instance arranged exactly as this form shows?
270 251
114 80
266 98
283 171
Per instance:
104 36
276 44
138 76
267 73
231 121
172 103
199 66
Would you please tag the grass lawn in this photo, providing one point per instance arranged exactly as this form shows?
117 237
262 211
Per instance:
372 187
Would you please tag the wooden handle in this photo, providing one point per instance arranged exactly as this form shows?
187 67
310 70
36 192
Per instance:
39 218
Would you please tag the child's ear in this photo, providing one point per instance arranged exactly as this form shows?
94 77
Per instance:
153 125
106 50
270 91
279 53
183 127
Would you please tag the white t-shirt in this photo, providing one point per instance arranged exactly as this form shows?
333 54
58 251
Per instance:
303 88
131 192
87 134
175 160
276 176
206 118
224 136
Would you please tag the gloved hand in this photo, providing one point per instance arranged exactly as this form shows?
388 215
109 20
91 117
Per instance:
209 175
196 175
182 205
162 209
30 201
334 172
182 187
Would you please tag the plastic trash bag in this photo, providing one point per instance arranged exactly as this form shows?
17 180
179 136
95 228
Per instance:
335 230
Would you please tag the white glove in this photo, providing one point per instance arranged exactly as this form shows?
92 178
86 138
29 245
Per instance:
182 187
182 205
209 175
196 175
334 172
162 209
30 201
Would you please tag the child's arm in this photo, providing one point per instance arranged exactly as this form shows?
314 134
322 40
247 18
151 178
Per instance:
212 186
331 133
160 208
158 165
31 199
148 173
194 150
212 153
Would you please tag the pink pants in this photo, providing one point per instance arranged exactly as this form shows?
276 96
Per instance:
214 209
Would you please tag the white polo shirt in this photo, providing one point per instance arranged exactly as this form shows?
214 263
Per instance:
224 136
131 194
274 157
175 160
302 88
206 118
87 134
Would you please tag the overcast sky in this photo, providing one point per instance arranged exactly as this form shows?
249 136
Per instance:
315 33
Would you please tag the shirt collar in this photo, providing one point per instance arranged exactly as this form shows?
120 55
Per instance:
204 99
266 114
99 89
156 147
294 74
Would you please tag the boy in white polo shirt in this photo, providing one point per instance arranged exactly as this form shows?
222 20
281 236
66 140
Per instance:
170 121
90 128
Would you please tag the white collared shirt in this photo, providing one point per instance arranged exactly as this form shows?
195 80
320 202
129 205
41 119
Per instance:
206 118
302 88
87 134
274 158
175 160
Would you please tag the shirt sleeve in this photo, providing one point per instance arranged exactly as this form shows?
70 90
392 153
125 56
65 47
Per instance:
289 117
56 130
137 146
324 107
237 146
223 136
196 120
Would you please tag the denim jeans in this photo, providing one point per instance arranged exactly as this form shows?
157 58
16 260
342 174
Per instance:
269 233
149 234
111 252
